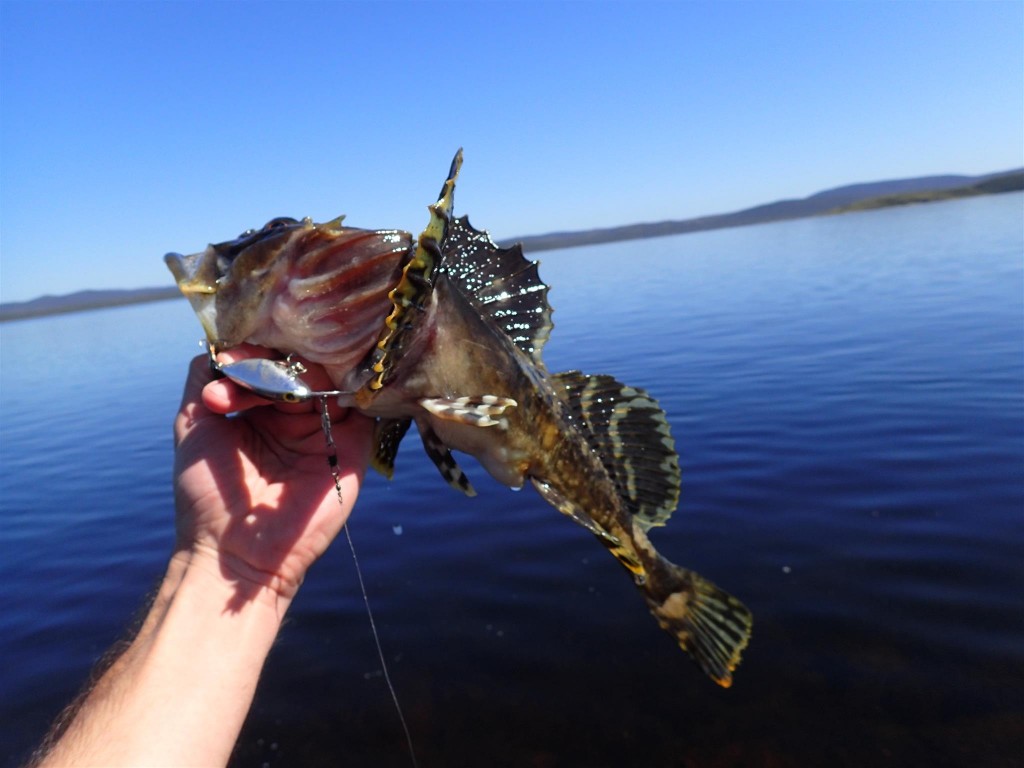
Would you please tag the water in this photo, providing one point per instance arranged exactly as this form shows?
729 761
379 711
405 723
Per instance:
847 395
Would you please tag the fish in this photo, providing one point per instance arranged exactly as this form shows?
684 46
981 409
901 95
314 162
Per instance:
447 330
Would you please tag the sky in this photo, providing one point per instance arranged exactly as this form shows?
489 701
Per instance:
129 129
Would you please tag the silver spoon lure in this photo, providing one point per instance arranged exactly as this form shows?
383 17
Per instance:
273 379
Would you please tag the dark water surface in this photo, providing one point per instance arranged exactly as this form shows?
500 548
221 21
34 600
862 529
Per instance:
847 395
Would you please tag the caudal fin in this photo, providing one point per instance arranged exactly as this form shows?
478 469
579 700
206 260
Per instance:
709 623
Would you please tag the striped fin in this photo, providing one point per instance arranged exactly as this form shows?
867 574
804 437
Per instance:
387 434
501 283
416 283
444 461
630 433
472 411
707 622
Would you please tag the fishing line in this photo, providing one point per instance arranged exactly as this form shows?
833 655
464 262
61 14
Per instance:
332 461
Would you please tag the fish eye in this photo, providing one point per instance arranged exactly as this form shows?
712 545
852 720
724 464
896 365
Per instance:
280 221
247 233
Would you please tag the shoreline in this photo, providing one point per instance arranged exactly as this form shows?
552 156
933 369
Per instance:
829 203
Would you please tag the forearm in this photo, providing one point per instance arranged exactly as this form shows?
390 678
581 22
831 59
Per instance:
180 693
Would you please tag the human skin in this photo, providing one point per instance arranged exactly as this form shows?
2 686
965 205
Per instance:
256 505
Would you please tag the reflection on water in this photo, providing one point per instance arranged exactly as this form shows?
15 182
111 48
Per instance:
847 395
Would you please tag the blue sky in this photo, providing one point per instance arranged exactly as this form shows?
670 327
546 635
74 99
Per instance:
132 129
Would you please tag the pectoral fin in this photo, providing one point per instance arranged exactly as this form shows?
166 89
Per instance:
475 411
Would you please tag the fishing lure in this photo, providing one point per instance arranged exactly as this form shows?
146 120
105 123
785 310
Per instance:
273 379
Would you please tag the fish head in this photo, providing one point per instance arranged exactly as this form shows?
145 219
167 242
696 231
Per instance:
316 290
229 283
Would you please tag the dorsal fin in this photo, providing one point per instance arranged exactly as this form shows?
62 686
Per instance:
630 433
501 283
416 282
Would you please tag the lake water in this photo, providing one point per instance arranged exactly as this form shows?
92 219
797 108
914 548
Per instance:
847 396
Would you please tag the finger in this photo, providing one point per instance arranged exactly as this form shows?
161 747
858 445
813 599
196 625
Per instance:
223 396
245 352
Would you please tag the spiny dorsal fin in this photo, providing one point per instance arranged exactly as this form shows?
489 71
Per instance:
630 433
501 283
416 282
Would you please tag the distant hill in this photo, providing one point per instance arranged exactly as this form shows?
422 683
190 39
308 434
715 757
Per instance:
1011 182
835 200
82 300
852 197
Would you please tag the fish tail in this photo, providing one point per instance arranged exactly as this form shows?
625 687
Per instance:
710 624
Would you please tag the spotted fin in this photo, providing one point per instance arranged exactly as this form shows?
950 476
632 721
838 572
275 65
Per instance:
473 411
500 283
444 461
629 431
416 283
387 434
707 622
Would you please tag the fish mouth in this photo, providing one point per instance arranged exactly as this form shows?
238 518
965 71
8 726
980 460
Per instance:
186 271
196 287
202 273
226 282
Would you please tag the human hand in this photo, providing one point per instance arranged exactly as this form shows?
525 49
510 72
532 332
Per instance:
254 493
